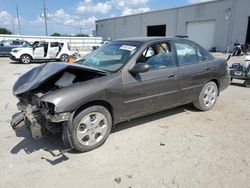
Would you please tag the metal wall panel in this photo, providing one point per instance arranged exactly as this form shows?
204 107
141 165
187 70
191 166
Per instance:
240 21
231 17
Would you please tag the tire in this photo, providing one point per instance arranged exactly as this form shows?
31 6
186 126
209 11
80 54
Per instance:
207 97
247 83
90 128
238 53
64 57
25 59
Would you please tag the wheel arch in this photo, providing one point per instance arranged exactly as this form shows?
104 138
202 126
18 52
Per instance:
28 55
102 103
217 82
61 55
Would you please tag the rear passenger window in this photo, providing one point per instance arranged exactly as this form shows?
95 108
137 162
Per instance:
54 44
186 53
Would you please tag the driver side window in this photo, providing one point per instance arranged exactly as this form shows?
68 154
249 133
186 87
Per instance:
157 56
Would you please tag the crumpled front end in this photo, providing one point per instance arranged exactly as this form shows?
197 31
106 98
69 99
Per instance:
46 94
38 116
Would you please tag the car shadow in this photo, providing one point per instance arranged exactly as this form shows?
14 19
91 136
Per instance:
237 84
49 142
28 145
54 142
152 117
33 62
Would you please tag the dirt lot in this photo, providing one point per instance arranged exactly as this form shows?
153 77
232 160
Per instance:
175 148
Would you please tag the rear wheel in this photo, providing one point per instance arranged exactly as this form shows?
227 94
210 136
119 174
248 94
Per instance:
90 128
25 59
64 57
207 97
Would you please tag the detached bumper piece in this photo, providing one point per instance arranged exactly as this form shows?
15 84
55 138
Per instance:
38 120
35 127
17 119
29 120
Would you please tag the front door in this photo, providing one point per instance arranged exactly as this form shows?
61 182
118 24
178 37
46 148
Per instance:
155 89
40 51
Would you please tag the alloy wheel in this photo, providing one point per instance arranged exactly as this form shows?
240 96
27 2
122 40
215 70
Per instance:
209 95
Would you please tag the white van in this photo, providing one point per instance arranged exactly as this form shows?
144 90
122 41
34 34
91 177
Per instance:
42 50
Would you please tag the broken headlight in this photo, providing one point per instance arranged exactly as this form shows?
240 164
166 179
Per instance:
60 117
48 108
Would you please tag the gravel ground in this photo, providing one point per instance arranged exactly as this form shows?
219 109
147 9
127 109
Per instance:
180 147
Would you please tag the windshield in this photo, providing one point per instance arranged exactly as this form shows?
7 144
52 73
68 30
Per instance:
28 45
112 56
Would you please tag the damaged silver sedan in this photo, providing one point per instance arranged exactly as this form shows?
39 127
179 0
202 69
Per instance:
120 81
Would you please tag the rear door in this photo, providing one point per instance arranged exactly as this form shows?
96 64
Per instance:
195 69
53 49
155 89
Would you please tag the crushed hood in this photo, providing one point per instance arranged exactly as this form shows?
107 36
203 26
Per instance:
40 74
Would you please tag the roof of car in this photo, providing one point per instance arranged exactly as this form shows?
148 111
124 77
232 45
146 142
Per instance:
148 39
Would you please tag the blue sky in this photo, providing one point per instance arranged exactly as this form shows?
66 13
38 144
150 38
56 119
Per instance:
67 17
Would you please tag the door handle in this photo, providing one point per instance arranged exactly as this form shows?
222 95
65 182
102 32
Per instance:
172 76
207 69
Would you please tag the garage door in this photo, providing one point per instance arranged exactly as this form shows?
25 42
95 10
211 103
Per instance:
202 33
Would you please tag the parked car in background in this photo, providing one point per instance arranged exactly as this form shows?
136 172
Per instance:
43 50
83 100
241 71
7 45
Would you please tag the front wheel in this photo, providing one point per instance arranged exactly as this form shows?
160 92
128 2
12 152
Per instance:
90 128
25 59
207 97
247 83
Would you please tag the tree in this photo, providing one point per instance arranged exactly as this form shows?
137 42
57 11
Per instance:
82 35
5 31
56 35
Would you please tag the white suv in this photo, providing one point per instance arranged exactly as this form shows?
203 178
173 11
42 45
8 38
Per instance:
43 50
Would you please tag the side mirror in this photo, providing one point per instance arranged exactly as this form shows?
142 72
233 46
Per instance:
139 68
